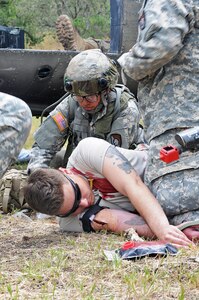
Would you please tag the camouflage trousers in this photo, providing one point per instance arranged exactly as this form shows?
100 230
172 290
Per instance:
15 124
175 185
178 194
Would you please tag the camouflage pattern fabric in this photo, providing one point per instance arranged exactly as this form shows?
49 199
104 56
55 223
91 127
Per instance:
49 139
175 185
86 68
15 124
11 190
178 193
108 122
165 61
189 160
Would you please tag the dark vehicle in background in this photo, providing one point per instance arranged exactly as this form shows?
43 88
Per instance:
11 37
36 76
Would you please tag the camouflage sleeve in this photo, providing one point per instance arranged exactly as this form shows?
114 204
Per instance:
15 124
125 129
50 137
162 27
39 158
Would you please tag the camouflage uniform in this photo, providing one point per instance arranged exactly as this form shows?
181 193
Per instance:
116 118
50 137
165 61
15 123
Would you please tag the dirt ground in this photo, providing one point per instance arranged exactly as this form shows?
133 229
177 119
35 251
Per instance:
36 259
40 262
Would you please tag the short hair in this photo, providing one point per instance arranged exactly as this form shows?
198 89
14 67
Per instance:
44 191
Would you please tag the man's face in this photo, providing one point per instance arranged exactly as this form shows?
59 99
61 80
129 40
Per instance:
86 197
89 102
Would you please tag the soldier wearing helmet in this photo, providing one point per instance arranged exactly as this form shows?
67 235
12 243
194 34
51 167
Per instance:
95 106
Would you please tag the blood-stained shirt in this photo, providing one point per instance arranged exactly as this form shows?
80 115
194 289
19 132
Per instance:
87 159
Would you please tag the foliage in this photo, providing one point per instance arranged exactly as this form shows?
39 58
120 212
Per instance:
7 12
37 17
91 18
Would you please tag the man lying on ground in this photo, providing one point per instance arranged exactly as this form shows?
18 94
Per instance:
116 174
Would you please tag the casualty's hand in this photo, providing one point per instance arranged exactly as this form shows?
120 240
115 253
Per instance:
171 234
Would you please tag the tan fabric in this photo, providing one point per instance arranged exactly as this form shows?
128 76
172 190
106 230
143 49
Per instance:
11 190
70 39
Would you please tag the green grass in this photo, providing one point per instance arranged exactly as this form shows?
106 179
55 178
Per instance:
40 262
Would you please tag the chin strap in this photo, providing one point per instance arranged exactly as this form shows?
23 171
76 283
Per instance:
90 215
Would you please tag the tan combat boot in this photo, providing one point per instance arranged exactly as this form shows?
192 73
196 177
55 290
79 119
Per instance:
70 38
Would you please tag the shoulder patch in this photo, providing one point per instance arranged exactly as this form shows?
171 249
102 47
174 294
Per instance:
60 121
116 140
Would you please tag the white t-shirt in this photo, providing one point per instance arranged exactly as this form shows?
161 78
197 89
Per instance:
87 159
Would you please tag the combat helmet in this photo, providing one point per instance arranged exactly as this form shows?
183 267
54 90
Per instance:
89 73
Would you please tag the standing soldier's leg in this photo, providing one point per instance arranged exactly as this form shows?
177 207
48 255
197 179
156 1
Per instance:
15 124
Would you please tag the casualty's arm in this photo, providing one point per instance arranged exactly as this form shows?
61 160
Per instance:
161 31
121 175
118 221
